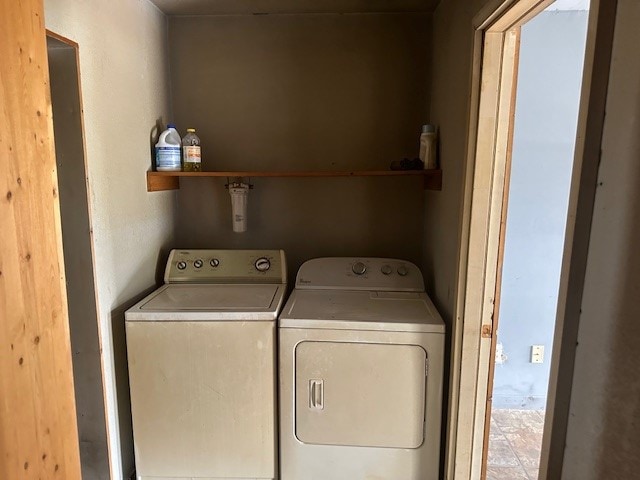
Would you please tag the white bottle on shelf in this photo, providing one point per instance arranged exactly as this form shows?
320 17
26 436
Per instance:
169 150
428 146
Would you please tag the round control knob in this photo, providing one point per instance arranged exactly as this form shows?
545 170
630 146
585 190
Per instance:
359 268
263 264
214 262
198 263
403 271
181 265
386 270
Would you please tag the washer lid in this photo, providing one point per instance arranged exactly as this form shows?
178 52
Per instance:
361 310
209 302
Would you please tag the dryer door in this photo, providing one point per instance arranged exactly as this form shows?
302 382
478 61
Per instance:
360 394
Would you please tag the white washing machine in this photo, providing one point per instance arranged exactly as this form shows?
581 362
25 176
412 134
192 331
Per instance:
361 358
201 353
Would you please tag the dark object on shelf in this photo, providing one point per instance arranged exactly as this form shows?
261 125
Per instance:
407 164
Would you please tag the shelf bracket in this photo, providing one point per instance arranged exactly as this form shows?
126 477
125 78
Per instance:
433 181
238 180
157 183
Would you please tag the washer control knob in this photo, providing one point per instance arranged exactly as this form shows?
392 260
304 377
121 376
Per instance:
181 265
359 268
263 264
403 271
386 270
198 263
214 262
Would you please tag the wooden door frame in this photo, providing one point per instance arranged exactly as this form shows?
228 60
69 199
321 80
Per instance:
511 50
486 170
87 194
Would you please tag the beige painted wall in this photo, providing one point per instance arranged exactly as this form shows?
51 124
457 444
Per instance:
450 92
304 92
76 239
124 82
604 431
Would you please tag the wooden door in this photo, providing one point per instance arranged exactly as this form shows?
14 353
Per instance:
38 434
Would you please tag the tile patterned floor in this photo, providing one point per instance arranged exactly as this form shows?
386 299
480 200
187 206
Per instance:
515 438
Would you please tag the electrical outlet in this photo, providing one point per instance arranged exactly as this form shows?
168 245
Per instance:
500 355
537 353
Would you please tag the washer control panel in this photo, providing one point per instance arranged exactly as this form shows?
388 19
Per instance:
226 266
380 274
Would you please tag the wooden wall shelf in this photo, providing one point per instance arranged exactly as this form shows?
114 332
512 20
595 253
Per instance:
159 181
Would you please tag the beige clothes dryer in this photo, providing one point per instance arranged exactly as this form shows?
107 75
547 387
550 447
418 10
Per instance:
361 358
201 353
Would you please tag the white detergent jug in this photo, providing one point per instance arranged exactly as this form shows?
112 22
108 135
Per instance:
169 150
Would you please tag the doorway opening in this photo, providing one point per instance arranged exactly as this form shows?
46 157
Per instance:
548 77
491 145
77 242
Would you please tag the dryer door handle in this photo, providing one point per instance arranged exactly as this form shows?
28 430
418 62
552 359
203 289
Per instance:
316 394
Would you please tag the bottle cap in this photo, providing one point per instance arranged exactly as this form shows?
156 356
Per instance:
428 129
171 125
192 130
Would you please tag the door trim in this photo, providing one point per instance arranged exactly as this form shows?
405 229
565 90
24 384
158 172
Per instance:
512 46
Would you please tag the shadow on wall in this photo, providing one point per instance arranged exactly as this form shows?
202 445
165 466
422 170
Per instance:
621 432
121 368
161 262
122 377
154 134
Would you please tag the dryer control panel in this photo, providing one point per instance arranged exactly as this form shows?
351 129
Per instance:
345 273
226 266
